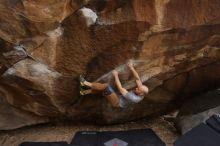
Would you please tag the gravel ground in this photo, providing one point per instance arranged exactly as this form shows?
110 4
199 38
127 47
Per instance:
65 132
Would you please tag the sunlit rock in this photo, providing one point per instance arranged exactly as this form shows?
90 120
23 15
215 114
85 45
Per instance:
89 16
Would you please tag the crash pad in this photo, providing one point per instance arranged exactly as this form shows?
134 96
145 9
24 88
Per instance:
214 122
44 144
137 137
205 134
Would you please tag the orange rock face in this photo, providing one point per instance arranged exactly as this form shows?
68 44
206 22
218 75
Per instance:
45 46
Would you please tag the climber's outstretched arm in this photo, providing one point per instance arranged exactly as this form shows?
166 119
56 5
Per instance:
122 90
135 74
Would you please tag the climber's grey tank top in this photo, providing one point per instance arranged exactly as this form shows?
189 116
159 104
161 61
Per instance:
129 98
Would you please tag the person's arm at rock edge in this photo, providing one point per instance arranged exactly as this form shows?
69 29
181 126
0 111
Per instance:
135 74
122 90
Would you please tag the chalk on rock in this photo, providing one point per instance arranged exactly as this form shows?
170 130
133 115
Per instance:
10 71
15 55
89 15
56 32
18 51
39 69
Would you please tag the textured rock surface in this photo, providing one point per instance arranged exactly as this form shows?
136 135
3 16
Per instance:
46 45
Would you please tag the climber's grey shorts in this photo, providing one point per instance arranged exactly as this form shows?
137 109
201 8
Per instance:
109 90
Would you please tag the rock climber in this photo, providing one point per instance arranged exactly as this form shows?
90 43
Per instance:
126 98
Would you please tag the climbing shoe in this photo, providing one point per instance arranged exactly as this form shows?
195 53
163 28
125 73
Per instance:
81 80
81 93
81 90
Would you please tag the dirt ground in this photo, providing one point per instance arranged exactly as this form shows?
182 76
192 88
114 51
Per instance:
64 132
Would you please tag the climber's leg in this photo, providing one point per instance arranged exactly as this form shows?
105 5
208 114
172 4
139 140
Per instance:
98 86
113 99
108 92
85 92
88 84
111 96
83 81
92 85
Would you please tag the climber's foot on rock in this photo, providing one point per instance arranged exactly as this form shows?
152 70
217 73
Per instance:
82 93
82 80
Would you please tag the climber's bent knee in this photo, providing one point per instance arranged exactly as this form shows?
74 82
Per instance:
111 96
113 99
108 90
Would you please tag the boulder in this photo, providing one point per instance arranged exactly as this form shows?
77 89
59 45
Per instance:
45 46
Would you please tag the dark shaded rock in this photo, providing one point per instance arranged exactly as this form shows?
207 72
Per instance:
12 118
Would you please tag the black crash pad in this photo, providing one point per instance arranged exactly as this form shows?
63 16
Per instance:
214 123
44 144
201 135
140 137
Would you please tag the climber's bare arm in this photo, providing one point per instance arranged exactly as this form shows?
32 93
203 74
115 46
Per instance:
135 74
122 90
